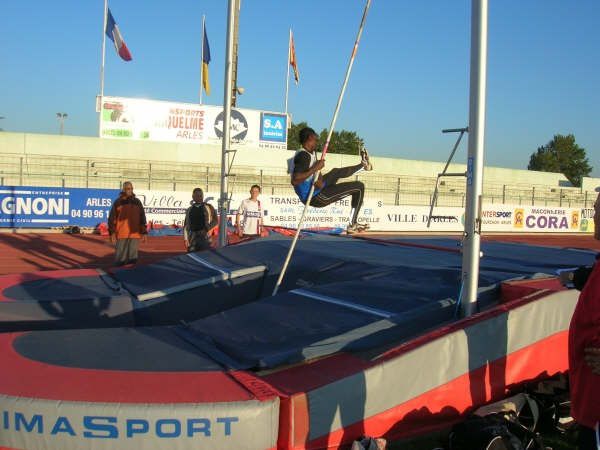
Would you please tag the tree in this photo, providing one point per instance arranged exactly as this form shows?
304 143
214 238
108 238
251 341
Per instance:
346 142
293 143
562 155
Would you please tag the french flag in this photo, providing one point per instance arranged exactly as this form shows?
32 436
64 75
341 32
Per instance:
112 31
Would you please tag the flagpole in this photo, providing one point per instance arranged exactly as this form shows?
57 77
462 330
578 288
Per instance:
287 72
202 58
102 67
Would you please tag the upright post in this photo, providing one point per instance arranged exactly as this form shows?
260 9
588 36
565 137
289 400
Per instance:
227 91
472 244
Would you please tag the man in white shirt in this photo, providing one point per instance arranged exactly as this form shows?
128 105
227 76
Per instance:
249 216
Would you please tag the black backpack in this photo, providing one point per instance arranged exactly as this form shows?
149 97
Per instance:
496 428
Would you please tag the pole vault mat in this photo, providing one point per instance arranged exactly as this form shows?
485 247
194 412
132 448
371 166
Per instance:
179 288
309 368
197 285
63 299
125 388
189 286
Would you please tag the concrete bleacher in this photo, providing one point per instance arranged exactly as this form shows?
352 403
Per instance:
72 161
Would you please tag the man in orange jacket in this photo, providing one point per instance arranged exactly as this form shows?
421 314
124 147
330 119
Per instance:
127 226
584 355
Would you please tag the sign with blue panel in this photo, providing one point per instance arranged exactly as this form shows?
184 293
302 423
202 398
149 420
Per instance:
273 127
39 207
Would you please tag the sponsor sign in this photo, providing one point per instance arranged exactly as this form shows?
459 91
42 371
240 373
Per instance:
34 207
519 221
273 127
549 219
36 423
47 207
587 220
129 118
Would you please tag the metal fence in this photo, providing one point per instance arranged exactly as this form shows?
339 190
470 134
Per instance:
42 170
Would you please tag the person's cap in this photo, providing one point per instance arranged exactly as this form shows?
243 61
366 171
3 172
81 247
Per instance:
597 189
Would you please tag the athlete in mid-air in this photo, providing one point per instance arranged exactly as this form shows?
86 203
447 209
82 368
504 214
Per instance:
327 189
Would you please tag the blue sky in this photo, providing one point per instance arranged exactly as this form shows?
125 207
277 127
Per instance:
410 78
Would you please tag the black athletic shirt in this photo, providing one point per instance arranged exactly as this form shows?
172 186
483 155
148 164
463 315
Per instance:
302 162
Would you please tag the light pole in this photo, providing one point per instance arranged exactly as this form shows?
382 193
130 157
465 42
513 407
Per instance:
61 119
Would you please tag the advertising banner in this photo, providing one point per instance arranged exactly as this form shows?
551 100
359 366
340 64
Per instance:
587 220
36 423
130 118
167 208
41 207
546 219
53 207
285 211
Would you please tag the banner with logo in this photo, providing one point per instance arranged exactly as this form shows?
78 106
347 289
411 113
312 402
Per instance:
42 207
546 219
52 207
152 120
587 220
169 208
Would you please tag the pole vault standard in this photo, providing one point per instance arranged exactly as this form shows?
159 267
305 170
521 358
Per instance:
224 198
325 147
471 243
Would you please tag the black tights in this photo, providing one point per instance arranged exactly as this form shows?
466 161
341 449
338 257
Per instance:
333 192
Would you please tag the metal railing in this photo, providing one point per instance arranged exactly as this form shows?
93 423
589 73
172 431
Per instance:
42 170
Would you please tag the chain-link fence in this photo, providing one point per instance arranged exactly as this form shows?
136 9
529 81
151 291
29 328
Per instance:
42 170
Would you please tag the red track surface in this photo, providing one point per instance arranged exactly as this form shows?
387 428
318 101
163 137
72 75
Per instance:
553 240
30 252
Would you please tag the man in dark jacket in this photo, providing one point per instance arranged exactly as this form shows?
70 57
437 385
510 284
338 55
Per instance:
584 354
127 225
200 219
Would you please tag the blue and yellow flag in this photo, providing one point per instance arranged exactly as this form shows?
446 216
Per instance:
205 62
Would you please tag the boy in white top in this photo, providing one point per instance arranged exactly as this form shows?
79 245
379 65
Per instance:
249 216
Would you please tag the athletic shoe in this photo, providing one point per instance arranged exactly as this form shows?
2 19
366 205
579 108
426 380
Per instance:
364 159
356 228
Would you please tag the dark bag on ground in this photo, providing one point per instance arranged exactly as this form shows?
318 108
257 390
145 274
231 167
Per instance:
506 425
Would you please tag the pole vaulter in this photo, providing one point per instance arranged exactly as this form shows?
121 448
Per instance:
325 147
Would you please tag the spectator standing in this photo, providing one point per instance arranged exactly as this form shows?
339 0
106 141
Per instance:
249 218
127 226
200 219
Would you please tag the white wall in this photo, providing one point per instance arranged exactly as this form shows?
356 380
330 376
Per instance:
90 147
